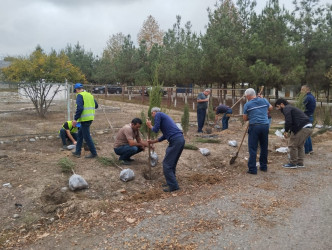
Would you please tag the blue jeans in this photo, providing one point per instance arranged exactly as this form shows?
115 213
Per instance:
201 113
258 133
84 133
308 142
173 153
127 151
225 119
64 136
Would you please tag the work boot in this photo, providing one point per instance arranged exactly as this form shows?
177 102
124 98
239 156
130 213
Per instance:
124 162
76 155
168 189
91 156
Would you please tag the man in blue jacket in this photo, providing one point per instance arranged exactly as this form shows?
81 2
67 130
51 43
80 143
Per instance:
223 109
310 106
85 114
255 111
174 136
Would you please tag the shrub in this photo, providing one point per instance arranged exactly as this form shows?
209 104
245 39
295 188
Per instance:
190 147
299 101
113 161
326 116
207 140
185 119
66 165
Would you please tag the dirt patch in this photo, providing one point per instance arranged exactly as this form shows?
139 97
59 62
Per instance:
37 183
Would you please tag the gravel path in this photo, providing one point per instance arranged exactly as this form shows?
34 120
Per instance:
280 209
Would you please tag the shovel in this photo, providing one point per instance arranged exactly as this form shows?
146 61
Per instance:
234 157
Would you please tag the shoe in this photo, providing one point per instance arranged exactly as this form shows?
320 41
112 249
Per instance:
263 169
289 165
310 153
170 190
164 185
130 159
300 165
76 155
124 162
91 156
64 147
249 172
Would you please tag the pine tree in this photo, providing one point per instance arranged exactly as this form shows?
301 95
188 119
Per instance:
185 119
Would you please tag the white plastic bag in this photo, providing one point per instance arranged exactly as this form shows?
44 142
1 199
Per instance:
282 149
232 143
77 182
204 151
279 133
127 175
70 147
154 159
179 126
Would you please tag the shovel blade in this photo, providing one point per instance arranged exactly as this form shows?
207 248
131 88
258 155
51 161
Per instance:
233 159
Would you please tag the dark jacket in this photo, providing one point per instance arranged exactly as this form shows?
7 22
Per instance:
310 104
295 119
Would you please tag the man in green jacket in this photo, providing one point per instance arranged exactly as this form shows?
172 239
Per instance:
69 132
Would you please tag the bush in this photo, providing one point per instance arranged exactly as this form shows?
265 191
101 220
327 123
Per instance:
113 161
185 119
207 140
299 101
326 116
66 165
211 113
190 147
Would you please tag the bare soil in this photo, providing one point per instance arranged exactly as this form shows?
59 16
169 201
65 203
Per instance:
218 205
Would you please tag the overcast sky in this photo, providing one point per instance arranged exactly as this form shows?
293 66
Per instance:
55 23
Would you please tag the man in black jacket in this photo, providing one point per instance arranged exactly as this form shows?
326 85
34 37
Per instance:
300 128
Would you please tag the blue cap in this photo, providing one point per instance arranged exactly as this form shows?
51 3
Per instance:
78 125
78 86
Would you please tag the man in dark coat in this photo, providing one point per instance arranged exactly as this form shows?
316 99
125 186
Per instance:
300 128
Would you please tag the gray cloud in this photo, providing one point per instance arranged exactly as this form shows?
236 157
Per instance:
56 23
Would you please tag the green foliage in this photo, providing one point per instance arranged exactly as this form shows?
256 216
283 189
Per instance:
155 96
144 128
82 59
190 147
185 119
299 101
207 140
106 161
211 112
319 132
38 72
125 62
67 166
326 116
40 67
